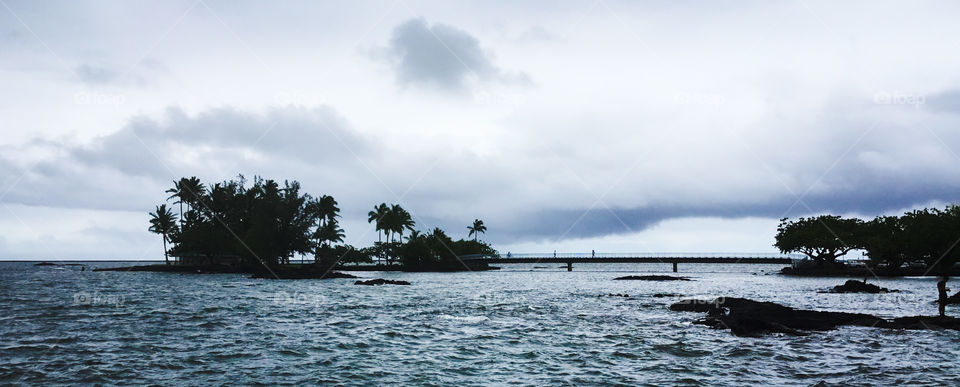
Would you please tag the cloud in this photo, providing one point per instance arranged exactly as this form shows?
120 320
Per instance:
946 102
96 74
140 74
441 56
125 169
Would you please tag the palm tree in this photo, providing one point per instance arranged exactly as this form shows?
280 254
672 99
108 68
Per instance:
414 234
400 220
195 190
328 209
187 191
476 229
163 221
329 233
376 216
178 192
438 233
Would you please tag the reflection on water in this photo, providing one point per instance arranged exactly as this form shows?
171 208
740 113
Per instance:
522 324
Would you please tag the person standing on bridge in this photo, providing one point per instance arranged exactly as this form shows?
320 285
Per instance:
554 253
593 253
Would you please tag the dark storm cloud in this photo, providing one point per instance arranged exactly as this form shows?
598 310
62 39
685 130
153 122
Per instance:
551 224
439 55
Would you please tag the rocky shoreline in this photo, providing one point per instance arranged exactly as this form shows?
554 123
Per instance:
749 318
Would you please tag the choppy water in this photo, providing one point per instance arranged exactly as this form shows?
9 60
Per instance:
541 327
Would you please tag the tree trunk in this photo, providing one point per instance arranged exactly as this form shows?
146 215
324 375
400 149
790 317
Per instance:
165 258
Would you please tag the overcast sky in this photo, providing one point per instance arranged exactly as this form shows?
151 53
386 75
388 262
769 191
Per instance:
570 126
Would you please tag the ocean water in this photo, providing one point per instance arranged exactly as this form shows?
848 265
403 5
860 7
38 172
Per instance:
526 324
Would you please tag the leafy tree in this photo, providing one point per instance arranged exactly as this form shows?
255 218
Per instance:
476 229
164 222
883 240
931 235
823 238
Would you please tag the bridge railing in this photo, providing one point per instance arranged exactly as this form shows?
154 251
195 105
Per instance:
732 255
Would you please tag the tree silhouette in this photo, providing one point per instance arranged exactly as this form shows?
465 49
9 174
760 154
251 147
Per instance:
186 191
164 222
823 238
377 217
178 193
329 233
476 229
400 220
414 234
328 210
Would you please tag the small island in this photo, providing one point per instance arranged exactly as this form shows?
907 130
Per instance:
259 227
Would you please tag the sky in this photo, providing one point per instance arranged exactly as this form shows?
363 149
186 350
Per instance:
653 126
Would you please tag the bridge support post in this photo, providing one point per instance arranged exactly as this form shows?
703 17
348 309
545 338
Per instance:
569 266
674 267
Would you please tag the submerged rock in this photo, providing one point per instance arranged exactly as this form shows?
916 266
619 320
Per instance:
651 278
854 286
745 317
615 295
661 295
381 281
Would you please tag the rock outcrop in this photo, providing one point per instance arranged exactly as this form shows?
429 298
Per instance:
381 281
854 286
745 317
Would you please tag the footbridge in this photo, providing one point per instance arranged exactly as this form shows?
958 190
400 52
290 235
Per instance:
482 260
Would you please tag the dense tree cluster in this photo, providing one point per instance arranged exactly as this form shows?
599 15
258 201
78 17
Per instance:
266 224
929 236
438 251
